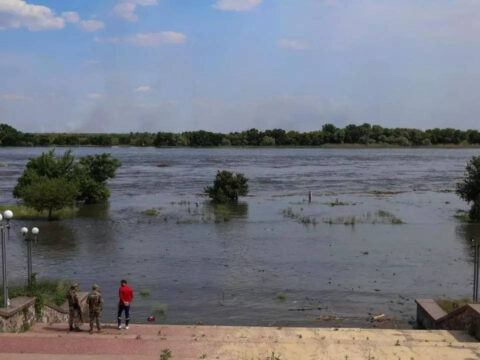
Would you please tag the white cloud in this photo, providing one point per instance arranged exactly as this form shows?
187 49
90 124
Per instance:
236 5
16 97
17 14
143 88
91 25
86 25
95 96
292 45
148 39
71 17
126 8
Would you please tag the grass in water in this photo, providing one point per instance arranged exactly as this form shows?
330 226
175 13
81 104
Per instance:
150 212
463 217
159 310
144 293
306 220
24 212
281 297
380 217
450 305
338 203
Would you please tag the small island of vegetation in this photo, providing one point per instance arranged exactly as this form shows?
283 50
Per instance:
52 184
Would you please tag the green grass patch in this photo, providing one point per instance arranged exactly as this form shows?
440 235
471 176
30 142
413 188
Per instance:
379 217
144 293
281 297
300 218
166 355
45 291
463 216
159 310
25 212
450 305
187 221
150 212
338 203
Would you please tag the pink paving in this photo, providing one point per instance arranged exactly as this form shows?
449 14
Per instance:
147 342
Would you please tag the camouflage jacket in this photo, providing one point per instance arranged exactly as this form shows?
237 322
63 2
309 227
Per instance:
95 301
72 299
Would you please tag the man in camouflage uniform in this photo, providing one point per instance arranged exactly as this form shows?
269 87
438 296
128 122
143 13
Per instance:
74 310
95 307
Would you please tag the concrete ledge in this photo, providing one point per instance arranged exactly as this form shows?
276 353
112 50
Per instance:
431 316
52 313
19 316
428 313
16 304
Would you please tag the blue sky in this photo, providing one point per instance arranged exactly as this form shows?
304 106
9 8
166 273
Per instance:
225 65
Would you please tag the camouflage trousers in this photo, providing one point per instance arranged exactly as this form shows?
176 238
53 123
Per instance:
95 317
74 317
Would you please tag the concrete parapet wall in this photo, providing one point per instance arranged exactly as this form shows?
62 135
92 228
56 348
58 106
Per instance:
52 313
431 316
19 316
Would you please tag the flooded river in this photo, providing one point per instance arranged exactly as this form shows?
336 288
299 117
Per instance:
380 232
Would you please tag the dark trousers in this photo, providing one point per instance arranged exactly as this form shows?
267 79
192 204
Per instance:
122 308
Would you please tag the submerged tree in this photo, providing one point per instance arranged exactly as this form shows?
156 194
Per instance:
50 194
469 188
227 187
52 183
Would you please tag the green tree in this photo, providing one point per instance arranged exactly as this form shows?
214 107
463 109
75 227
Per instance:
50 194
91 174
88 176
9 136
227 187
268 141
46 166
469 188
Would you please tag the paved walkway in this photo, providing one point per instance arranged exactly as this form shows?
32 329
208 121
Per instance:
148 342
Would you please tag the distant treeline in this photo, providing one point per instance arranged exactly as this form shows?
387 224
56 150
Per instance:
365 134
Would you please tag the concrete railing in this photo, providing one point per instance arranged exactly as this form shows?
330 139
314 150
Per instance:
21 315
431 316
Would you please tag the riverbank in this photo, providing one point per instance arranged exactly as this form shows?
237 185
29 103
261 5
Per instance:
145 342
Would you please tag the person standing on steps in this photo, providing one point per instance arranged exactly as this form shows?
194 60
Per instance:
74 310
95 307
125 294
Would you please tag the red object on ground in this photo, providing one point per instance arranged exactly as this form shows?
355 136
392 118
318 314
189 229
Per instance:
126 294
151 318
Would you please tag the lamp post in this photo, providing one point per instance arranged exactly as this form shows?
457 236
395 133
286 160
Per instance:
5 236
29 241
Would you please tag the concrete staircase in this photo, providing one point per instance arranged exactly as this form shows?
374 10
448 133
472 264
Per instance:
145 342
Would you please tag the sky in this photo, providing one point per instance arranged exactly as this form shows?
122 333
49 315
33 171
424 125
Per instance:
230 65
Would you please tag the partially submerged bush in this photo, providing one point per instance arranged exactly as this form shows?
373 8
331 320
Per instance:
469 188
227 187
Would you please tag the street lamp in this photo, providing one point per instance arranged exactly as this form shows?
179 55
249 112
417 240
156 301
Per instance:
29 240
5 236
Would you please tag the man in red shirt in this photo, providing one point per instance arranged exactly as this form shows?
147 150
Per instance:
125 294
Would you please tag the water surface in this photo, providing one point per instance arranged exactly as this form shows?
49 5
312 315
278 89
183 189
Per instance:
227 266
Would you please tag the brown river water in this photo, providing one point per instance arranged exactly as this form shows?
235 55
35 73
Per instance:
227 265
